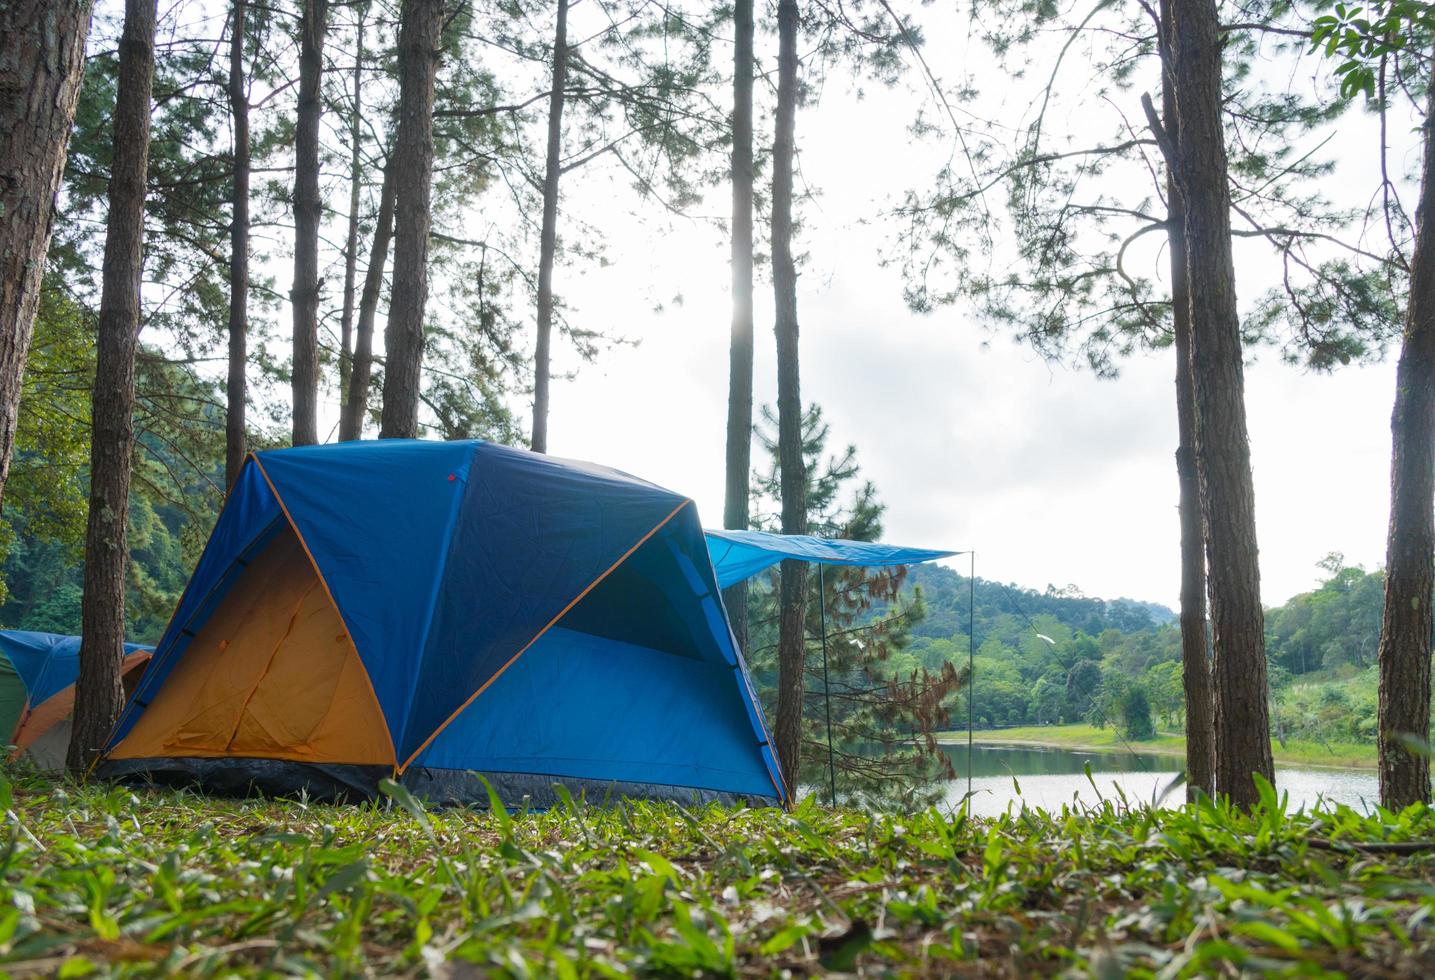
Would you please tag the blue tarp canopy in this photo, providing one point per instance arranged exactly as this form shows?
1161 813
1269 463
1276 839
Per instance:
739 555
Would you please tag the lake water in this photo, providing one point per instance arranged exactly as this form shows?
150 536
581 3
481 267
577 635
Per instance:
1050 777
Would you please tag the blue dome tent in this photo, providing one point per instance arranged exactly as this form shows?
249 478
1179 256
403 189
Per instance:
431 610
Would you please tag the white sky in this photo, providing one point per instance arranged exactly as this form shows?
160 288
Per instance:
1051 475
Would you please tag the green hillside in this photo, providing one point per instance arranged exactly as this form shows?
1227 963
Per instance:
1057 656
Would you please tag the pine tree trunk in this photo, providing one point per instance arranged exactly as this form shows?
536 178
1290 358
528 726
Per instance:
739 399
356 405
234 429
791 655
1406 626
548 242
98 695
351 241
1195 656
307 215
42 60
791 668
1195 659
1223 459
419 30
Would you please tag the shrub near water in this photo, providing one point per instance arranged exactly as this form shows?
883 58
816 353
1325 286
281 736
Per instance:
101 880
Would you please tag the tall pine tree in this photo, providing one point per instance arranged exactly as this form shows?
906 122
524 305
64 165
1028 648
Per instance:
308 214
1223 455
421 22
42 61
739 398
237 391
792 641
98 696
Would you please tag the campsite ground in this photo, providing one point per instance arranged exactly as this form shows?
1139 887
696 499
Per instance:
102 880
1340 755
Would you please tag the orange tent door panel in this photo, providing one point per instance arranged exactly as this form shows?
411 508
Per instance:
271 675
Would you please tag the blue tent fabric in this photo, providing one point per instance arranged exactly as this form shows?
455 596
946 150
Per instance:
47 663
663 598
610 737
534 533
739 555
510 609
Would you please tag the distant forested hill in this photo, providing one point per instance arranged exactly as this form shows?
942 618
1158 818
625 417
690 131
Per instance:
947 601
1046 657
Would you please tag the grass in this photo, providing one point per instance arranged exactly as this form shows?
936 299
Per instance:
1296 753
104 881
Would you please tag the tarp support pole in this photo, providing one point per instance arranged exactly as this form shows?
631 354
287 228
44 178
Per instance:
971 659
826 687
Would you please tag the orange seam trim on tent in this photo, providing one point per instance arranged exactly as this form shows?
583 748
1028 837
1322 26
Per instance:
328 592
537 636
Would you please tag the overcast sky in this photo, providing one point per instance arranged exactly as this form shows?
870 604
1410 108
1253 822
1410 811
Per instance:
1051 475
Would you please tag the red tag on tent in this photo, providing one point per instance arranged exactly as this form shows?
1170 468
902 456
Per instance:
451 478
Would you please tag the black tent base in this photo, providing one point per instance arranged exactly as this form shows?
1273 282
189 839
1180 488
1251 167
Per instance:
325 783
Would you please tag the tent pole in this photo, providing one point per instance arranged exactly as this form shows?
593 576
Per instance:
826 688
971 658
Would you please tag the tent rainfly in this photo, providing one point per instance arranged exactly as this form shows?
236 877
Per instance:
37 691
429 611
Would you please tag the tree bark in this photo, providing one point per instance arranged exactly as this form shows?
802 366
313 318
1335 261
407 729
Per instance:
356 405
304 297
548 242
356 183
739 400
1195 658
421 22
1223 460
234 429
42 60
1406 625
1195 655
791 656
98 695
